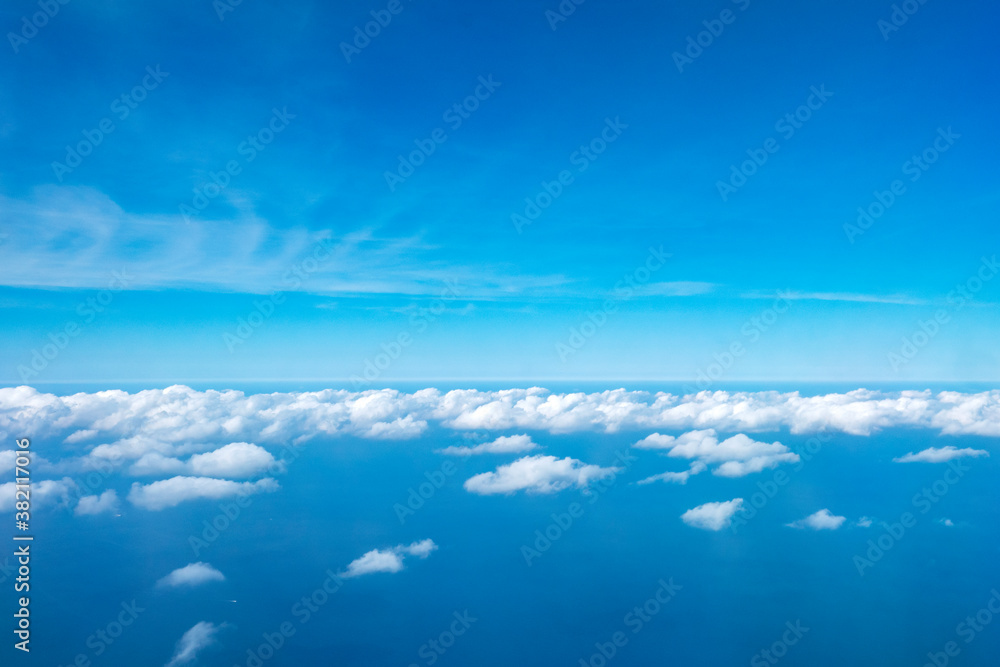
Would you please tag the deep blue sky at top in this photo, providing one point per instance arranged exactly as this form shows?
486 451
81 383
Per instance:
521 293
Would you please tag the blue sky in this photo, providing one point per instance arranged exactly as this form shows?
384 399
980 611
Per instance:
514 297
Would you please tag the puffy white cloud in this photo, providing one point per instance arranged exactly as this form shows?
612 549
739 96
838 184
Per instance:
106 502
821 520
171 492
191 575
713 516
537 474
193 641
940 455
734 457
237 459
505 444
388 560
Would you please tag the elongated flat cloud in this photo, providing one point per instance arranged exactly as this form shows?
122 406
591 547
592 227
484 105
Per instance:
193 642
388 560
174 491
712 516
940 455
89 505
734 457
191 575
537 474
675 477
505 444
821 520
237 459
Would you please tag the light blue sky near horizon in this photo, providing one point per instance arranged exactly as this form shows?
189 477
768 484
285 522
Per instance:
517 295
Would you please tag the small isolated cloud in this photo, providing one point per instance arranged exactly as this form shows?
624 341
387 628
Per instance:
237 459
675 477
174 491
537 474
506 444
821 520
191 575
940 455
712 516
106 502
733 457
388 560
946 522
865 522
193 641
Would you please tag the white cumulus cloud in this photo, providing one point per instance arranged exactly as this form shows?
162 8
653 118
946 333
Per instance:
388 560
733 457
537 474
191 575
174 491
106 502
821 520
713 516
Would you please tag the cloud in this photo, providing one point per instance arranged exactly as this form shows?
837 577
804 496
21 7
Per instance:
106 502
821 520
537 474
238 459
45 494
946 522
675 477
734 457
388 560
939 455
191 575
675 288
505 444
712 516
174 491
193 641
865 522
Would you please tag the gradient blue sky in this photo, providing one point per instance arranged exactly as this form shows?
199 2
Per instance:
518 294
